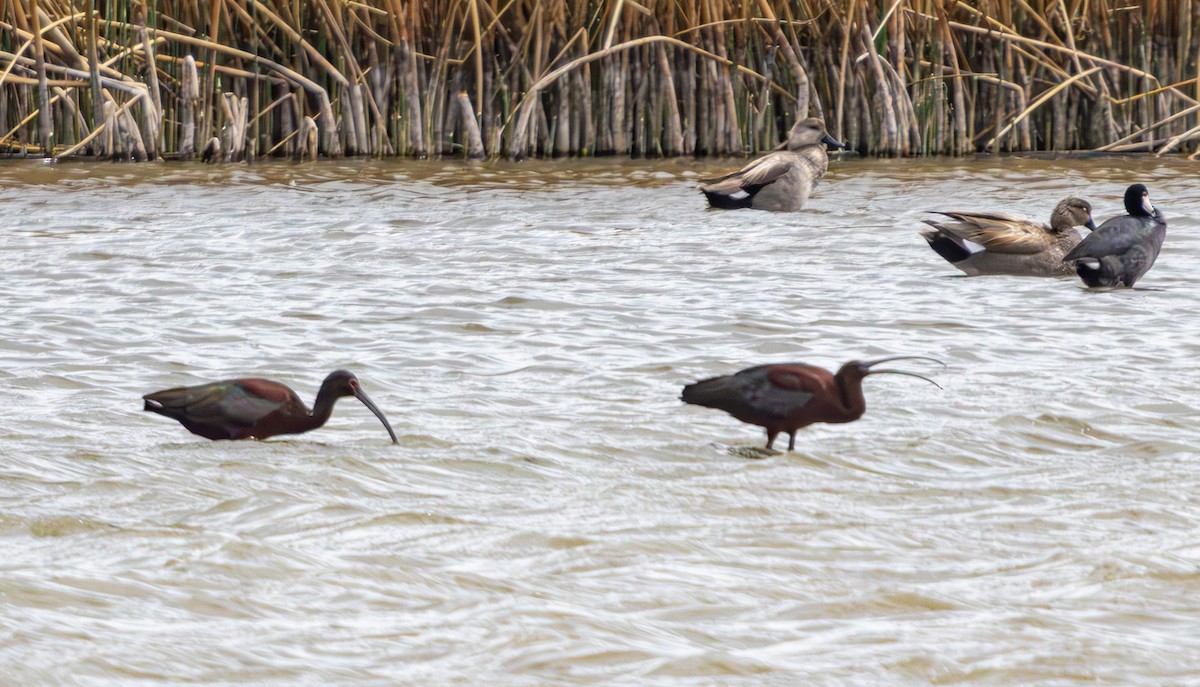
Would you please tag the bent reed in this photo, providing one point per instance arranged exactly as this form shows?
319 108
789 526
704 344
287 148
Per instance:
245 79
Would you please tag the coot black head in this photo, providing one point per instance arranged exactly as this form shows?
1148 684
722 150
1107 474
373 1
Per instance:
1137 201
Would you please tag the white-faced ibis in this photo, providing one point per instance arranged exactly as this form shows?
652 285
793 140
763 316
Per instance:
1122 249
780 180
784 397
994 243
255 408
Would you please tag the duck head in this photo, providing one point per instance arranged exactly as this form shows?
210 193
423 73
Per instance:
807 132
1071 213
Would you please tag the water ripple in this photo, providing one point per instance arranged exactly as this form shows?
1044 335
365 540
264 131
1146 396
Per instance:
553 514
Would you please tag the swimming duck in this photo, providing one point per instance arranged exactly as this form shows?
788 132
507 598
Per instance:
994 243
781 180
1122 249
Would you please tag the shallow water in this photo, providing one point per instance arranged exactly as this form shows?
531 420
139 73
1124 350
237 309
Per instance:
553 515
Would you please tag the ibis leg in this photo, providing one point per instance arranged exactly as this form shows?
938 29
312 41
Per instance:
771 439
791 441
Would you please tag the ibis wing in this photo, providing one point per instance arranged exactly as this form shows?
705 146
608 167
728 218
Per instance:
998 233
778 392
762 393
217 404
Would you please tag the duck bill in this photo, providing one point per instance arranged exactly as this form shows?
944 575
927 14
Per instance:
366 400
906 374
831 141
1091 225
890 358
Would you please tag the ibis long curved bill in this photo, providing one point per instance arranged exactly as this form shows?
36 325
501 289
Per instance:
869 364
889 358
906 374
366 400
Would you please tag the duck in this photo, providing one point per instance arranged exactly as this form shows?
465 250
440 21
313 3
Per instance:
1123 248
780 181
980 243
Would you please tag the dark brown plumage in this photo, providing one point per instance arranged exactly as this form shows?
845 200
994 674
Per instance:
255 408
787 396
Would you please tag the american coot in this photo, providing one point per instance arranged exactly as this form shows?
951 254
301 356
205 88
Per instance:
994 243
779 181
1122 249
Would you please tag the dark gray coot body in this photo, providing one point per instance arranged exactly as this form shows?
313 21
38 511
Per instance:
1124 247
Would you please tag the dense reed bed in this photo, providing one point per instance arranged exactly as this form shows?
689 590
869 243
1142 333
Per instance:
240 79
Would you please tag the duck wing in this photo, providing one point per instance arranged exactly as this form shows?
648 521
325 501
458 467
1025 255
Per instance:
753 176
996 232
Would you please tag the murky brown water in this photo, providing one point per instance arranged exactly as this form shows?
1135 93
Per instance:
553 515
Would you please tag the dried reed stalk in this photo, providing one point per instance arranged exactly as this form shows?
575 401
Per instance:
571 77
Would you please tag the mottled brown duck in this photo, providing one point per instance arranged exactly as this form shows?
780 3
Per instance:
981 243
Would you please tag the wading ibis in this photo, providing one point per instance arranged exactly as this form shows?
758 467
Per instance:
780 181
784 397
994 243
255 408
1122 249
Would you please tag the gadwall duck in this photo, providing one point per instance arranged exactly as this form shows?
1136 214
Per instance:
1123 248
781 180
993 243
